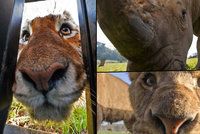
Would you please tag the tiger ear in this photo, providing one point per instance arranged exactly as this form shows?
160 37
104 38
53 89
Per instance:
66 14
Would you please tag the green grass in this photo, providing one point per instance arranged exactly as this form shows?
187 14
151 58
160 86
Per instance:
75 124
77 121
191 63
114 66
108 67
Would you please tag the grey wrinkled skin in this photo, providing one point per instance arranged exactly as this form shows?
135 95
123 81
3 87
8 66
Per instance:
151 34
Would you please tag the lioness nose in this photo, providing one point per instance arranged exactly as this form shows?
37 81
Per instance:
41 77
172 125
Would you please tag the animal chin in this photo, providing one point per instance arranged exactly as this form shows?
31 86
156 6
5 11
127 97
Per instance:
55 109
47 111
63 100
52 106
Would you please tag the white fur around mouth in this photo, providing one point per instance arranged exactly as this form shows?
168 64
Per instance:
56 104
65 92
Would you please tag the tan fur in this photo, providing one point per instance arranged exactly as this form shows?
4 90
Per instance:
175 96
113 102
44 48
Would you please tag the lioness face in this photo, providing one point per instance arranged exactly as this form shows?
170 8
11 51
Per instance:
166 102
50 74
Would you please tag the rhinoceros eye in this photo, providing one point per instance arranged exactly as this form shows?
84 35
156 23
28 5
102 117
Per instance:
149 80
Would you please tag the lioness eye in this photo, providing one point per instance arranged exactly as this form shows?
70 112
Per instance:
25 35
65 29
149 79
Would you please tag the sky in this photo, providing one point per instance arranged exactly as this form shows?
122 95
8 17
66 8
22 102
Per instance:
43 8
123 76
101 37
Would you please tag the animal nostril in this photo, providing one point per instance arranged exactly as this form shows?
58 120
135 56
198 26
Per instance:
27 78
44 79
188 122
57 75
159 123
171 125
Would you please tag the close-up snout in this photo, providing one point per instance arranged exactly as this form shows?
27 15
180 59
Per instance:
43 79
175 109
173 125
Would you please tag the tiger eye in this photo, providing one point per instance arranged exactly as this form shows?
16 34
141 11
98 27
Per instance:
65 29
25 35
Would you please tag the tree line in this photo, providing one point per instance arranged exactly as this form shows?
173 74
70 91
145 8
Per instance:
104 53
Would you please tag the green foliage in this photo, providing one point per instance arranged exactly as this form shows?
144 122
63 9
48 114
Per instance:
77 121
75 124
191 63
104 53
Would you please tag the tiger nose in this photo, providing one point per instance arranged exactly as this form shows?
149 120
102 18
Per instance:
40 78
173 125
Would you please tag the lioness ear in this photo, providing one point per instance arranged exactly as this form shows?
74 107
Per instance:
133 75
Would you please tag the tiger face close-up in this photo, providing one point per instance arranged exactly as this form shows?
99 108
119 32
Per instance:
50 73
